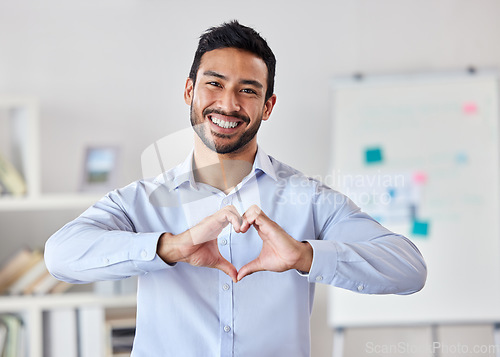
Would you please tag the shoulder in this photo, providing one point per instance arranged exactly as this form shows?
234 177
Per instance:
143 190
295 181
132 193
286 174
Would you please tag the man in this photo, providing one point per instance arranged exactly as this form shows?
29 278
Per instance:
229 245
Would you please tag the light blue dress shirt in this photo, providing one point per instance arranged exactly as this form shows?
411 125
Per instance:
187 311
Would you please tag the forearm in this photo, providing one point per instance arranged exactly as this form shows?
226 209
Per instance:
82 252
387 265
355 252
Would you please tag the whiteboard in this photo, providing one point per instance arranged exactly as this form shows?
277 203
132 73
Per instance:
420 154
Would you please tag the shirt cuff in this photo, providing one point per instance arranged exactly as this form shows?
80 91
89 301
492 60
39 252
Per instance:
324 264
143 252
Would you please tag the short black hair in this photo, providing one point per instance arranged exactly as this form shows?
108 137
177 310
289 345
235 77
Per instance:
234 35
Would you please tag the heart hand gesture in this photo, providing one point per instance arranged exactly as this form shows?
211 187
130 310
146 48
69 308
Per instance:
198 245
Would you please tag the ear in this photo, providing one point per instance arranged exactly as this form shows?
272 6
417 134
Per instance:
268 107
188 91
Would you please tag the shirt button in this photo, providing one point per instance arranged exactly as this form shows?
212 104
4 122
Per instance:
106 261
360 287
144 254
227 328
225 201
225 286
319 278
223 241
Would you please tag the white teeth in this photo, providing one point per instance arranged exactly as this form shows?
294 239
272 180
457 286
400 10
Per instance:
223 123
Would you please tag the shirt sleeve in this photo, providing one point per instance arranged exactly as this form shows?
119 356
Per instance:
102 244
354 252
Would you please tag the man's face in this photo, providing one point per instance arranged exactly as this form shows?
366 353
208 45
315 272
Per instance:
228 100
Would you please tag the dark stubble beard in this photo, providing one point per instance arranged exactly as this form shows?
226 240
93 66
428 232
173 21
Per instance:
209 139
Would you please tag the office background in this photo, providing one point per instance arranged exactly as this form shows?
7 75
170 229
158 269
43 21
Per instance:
113 72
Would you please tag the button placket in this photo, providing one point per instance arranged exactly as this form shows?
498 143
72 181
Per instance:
226 314
226 290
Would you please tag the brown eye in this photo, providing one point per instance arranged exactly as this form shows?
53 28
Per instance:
215 84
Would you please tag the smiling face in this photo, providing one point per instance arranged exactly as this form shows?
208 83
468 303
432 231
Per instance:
228 100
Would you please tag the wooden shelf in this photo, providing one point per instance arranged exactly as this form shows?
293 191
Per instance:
46 302
48 202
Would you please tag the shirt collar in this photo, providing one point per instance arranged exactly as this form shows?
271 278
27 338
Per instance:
263 163
184 172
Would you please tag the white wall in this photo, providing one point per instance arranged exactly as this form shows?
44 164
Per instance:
113 71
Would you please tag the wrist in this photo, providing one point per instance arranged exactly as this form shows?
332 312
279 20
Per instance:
306 257
167 248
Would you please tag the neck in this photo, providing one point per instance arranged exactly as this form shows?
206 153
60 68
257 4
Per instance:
222 171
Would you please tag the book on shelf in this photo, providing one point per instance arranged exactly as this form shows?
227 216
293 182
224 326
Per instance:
60 332
60 287
25 273
28 279
22 261
91 331
10 178
120 336
14 338
3 336
48 285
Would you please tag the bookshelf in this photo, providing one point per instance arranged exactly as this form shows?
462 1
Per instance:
20 144
32 308
21 121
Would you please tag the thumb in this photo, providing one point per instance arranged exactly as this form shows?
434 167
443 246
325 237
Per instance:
227 268
249 268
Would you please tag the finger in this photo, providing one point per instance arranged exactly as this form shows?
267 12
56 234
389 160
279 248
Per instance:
231 215
209 228
249 268
250 216
261 222
245 225
236 221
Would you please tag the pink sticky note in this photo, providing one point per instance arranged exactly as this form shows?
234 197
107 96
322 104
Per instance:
420 177
470 108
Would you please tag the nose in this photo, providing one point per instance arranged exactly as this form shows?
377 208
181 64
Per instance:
229 102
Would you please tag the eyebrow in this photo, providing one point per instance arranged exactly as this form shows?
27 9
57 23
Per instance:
243 81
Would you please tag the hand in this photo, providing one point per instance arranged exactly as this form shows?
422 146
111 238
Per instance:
280 252
198 245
